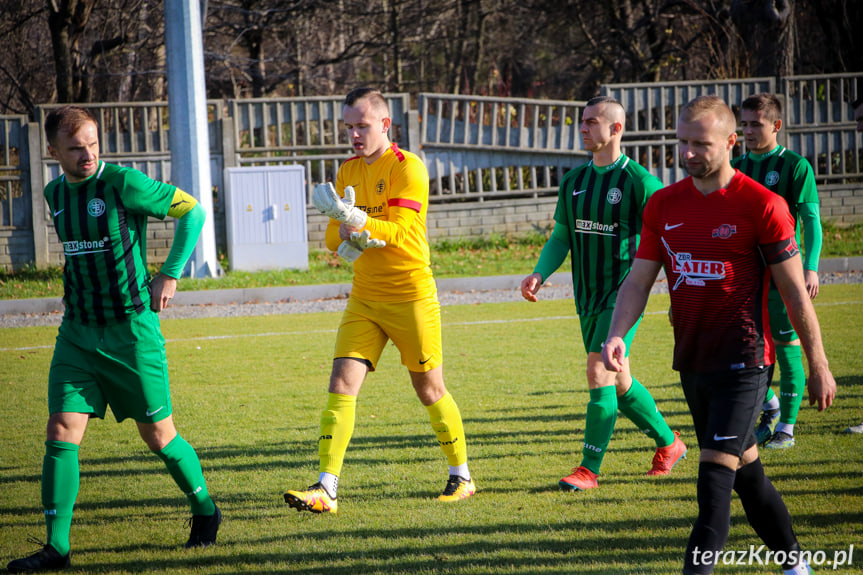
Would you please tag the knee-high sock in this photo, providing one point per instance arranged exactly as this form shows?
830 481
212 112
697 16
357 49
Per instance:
639 406
598 426
185 468
446 421
764 507
60 479
792 381
710 531
337 427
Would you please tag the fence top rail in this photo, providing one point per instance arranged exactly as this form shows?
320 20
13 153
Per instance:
809 77
684 85
336 98
502 100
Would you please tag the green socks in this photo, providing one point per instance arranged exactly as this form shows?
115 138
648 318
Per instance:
185 467
792 381
598 426
60 478
638 405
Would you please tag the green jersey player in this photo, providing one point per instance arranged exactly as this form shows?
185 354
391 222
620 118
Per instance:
598 222
789 175
110 349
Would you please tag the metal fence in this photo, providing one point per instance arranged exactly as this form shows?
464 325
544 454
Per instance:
14 203
476 148
818 121
305 131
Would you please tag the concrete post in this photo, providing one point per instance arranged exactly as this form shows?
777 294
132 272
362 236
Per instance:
37 199
189 138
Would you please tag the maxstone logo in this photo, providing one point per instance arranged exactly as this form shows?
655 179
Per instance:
82 247
591 227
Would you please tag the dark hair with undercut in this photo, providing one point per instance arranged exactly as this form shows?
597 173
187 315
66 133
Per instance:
603 100
68 119
764 102
371 94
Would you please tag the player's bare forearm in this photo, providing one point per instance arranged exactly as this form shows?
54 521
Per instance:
788 276
631 301
632 296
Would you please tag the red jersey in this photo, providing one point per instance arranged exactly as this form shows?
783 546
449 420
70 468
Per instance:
716 250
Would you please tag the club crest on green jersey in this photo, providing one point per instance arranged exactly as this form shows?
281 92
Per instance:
772 178
96 207
614 196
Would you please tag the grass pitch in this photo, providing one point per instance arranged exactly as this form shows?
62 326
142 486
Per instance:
248 392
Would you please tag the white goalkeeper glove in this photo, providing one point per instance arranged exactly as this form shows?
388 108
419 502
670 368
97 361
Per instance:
349 251
330 204
365 240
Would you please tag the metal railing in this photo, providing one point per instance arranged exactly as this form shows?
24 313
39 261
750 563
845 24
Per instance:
14 204
476 148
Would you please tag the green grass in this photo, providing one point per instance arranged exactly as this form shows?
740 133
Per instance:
480 257
842 241
496 255
248 392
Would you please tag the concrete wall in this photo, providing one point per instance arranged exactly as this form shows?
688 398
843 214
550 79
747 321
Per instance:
469 220
445 221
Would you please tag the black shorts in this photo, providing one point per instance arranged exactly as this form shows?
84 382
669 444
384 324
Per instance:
725 407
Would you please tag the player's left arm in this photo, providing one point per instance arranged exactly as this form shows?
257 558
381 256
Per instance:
809 217
409 192
190 221
394 229
787 271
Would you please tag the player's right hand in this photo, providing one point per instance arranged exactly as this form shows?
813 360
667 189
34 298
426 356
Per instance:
614 354
530 285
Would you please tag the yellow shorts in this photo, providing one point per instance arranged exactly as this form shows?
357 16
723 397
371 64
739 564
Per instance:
413 326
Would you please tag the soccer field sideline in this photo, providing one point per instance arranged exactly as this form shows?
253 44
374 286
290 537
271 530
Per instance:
248 395
444 325
853 266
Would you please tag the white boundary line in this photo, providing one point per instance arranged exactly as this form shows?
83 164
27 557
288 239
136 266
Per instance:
306 332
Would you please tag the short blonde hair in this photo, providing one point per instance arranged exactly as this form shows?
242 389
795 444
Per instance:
715 105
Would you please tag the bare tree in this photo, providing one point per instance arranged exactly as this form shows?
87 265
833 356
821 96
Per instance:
113 50
768 29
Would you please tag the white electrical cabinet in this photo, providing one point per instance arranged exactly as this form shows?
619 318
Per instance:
266 217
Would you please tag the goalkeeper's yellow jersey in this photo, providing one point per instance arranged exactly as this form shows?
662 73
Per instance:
394 192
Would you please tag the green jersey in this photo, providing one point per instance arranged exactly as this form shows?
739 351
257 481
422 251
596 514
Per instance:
601 207
102 224
785 173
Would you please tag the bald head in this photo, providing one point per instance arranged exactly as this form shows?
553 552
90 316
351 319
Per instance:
702 106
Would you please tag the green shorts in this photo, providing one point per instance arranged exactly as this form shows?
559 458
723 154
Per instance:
594 331
120 365
780 325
